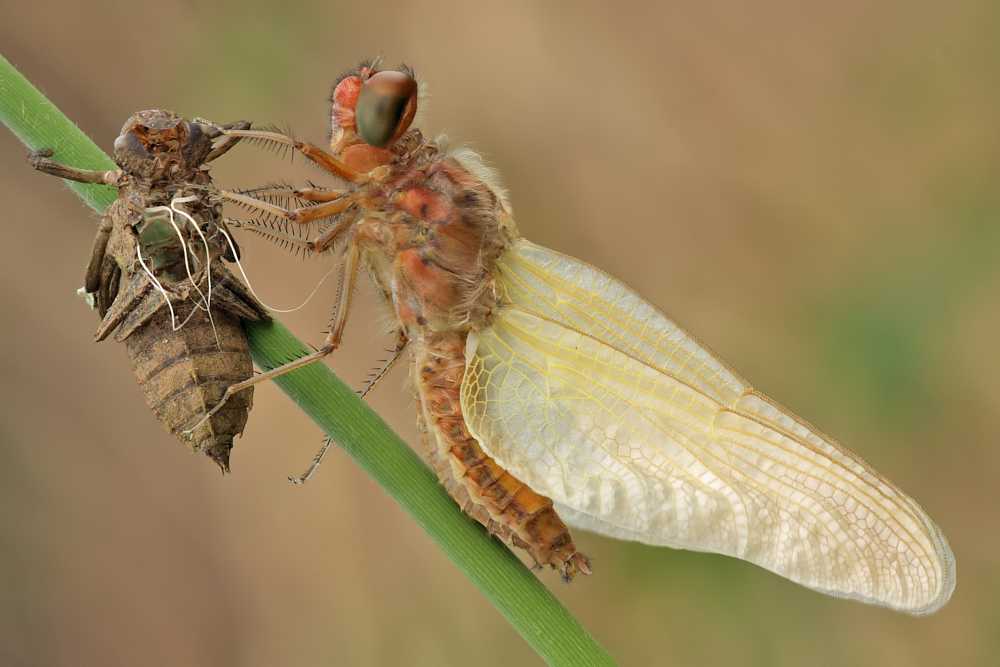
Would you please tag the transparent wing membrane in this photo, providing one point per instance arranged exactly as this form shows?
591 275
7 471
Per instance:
636 430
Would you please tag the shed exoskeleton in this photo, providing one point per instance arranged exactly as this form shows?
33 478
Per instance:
156 275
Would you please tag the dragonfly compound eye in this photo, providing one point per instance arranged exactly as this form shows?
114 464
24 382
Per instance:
385 107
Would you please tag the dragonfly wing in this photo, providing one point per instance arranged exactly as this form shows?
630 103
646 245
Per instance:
587 299
681 452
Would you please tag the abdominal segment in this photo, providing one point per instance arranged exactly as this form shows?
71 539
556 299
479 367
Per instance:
184 372
487 492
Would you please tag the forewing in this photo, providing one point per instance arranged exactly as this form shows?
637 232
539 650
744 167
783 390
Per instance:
586 299
682 452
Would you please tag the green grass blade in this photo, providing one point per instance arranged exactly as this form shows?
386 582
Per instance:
39 124
529 607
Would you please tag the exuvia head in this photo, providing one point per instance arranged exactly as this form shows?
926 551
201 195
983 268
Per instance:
151 139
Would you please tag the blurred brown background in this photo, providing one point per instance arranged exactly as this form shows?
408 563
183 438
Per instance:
812 188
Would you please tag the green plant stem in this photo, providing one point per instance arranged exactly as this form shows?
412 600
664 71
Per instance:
39 124
517 593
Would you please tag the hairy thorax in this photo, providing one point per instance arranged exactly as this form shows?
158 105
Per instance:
433 247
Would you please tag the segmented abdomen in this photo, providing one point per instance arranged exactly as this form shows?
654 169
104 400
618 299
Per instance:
487 492
184 373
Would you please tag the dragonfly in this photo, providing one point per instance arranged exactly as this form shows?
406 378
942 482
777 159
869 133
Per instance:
551 396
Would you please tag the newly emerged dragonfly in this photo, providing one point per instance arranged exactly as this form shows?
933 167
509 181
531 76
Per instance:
552 395
156 274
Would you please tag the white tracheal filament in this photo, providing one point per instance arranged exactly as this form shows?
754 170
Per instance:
204 301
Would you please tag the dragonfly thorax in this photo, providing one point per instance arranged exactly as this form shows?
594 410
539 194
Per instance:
439 235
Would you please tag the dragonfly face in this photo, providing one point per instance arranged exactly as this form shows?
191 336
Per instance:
551 395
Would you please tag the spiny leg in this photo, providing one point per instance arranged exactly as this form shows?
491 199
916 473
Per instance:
325 241
269 231
348 276
305 194
299 216
321 243
317 155
313 153
349 271
401 342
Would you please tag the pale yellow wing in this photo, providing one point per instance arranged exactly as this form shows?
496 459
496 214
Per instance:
635 430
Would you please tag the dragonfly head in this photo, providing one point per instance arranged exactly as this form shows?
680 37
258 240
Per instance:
372 111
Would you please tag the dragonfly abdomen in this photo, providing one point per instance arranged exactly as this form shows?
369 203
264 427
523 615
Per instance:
470 474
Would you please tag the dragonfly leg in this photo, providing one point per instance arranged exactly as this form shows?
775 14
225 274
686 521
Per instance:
376 378
311 193
348 274
314 153
321 243
264 230
325 241
301 215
